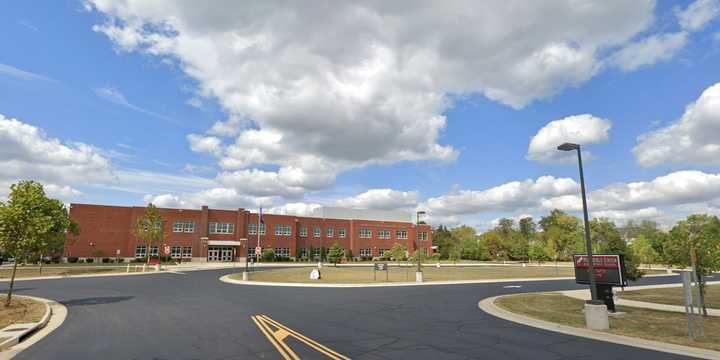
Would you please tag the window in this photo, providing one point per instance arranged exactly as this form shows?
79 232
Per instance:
401 234
423 235
222 228
158 225
342 233
175 252
316 252
140 251
278 230
424 252
154 250
303 252
251 252
282 252
287 230
187 252
329 232
365 233
384 234
252 229
184 226
382 252
317 232
283 230
365 253
262 228
303 231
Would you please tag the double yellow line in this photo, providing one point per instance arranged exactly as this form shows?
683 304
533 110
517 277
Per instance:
277 339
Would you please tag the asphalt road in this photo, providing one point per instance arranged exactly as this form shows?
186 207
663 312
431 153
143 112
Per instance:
195 316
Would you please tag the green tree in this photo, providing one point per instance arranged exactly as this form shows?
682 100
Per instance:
606 239
699 233
536 251
443 239
150 228
644 251
527 228
398 253
31 224
267 255
455 255
335 254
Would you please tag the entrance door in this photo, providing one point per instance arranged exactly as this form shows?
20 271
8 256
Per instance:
213 254
226 254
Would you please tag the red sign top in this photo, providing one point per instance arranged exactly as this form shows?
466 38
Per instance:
599 262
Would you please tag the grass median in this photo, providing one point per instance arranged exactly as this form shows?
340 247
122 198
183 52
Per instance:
362 275
66 270
21 310
641 323
673 296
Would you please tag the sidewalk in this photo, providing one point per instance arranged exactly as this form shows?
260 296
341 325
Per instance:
585 295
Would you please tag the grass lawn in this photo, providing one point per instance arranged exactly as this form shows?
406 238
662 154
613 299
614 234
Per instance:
21 310
66 270
673 296
642 323
396 274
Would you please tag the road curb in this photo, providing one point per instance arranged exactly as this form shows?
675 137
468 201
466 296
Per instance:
54 316
227 279
488 305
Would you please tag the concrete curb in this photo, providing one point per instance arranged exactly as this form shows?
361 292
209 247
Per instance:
32 332
227 279
488 305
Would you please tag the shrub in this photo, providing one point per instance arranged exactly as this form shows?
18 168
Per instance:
139 260
119 260
72 259
268 255
89 260
105 260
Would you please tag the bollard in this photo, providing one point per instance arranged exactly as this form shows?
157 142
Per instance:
157 267
437 265
245 276
144 267
418 276
596 316
128 269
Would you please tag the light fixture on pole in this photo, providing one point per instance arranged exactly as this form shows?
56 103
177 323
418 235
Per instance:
588 244
418 272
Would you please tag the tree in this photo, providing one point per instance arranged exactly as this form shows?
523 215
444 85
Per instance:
150 229
455 255
443 239
418 253
31 224
699 233
536 251
606 239
398 253
644 251
527 228
267 255
335 254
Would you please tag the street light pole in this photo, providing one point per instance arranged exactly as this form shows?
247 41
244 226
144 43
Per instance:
417 238
588 243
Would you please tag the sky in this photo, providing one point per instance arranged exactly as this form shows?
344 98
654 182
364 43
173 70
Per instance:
446 107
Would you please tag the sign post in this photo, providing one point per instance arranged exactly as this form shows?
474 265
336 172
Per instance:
380 267
609 271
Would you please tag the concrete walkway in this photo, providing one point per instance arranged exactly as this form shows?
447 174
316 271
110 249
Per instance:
585 295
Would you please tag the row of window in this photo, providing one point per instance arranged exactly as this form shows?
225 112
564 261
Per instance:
286 230
175 251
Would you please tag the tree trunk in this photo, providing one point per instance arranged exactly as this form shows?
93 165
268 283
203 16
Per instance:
41 263
12 284
701 284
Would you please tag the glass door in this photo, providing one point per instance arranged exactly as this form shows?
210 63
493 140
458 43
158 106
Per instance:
226 254
213 254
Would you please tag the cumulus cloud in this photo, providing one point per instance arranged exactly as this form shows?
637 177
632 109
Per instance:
220 198
26 152
698 14
381 199
329 88
295 208
259 183
512 196
649 51
582 129
693 139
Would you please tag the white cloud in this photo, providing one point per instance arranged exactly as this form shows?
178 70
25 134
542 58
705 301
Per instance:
115 96
698 14
512 196
649 50
579 129
260 183
219 198
22 74
295 208
27 153
693 139
381 199
347 85
649 213
205 144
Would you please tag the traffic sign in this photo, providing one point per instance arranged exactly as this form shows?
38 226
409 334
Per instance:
258 251
167 249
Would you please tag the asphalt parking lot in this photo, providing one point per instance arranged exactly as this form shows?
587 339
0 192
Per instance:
195 316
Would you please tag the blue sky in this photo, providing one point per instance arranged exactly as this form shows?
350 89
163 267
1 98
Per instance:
184 105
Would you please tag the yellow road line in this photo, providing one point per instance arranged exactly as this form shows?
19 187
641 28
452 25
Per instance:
312 343
260 324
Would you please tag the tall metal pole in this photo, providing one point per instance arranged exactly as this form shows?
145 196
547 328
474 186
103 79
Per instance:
257 257
417 240
588 244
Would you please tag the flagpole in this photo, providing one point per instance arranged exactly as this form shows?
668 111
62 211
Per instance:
257 257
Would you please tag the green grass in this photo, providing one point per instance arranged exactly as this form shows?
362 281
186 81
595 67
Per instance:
403 274
67 270
673 296
642 323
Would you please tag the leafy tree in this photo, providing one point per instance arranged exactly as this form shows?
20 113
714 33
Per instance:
455 255
31 224
561 235
443 239
699 233
150 229
267 255
398 253
644 251
335 254
606 239
527 228
418 253
536 251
